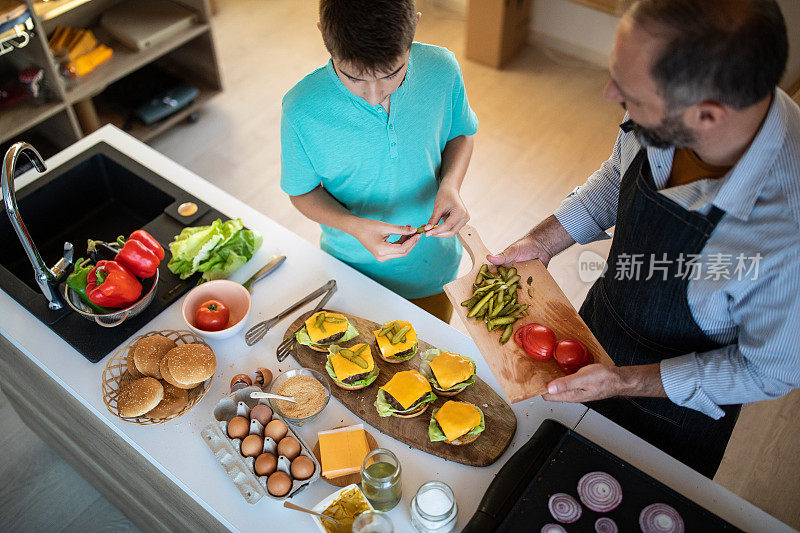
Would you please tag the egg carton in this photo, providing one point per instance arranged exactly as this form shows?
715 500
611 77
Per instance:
240 469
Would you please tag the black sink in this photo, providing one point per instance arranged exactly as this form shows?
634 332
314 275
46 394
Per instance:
99 194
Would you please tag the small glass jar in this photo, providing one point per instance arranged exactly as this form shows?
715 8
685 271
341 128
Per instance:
372 522
434 508
380 479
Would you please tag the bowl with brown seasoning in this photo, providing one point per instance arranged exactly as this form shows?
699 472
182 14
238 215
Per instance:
308 387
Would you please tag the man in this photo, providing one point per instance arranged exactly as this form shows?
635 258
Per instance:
699 306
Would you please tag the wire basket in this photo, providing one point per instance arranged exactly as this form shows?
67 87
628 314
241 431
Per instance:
116 376
116 318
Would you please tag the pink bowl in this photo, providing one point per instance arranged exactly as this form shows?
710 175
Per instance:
230 293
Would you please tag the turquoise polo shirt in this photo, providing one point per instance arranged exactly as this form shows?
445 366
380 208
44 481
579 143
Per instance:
380 166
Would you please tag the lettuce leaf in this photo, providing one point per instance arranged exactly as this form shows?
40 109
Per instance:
303 338
436 434
426 370
216 250
384 409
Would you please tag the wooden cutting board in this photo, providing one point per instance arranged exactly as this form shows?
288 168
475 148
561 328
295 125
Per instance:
519 376
501 422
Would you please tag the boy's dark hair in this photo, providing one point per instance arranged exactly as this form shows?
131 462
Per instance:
729 51
368 34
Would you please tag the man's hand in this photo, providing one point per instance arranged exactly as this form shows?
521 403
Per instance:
449 206
374 235
543 242
524 249
597 382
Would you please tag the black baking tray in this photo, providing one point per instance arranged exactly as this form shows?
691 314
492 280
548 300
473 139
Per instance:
99 194
553 461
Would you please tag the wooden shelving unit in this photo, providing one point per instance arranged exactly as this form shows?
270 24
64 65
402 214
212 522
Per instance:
190 54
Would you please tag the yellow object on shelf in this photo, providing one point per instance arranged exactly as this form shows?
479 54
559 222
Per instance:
86 63
82 45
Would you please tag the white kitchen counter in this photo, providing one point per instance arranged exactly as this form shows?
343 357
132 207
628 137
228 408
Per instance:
176 447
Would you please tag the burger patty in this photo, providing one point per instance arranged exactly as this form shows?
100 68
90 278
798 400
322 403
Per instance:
354 378
334 337
439 385
396 405
402 354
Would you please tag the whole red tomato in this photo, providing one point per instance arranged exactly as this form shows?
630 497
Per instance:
571 355
212 315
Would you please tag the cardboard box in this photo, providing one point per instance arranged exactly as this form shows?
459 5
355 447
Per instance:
496 29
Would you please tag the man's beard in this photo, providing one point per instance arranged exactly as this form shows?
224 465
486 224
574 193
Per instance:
670 133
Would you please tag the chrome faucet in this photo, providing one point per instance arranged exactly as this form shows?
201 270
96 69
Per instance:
47 278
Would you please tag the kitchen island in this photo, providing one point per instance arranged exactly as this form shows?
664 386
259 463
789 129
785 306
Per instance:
163 477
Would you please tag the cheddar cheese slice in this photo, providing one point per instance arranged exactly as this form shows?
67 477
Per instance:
407 387
325 329
344 368
451 368
342 450
385 341
457 419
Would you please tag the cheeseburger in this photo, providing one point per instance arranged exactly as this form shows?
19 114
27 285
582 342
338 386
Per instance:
456 423
406 395
325 328
351 368
397 341
449 373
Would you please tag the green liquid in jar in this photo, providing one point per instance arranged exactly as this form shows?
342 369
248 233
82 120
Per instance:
382 489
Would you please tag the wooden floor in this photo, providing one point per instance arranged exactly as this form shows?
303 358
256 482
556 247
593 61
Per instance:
543 128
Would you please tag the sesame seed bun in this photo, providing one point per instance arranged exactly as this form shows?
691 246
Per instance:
148 352
139 397
173 401
165 373
131 366
190 364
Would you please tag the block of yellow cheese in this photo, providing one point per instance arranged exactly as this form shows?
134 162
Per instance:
342 450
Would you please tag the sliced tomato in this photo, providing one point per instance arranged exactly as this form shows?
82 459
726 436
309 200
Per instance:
571 355
212 315
537 340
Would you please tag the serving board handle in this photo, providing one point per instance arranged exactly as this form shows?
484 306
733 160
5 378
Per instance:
475 248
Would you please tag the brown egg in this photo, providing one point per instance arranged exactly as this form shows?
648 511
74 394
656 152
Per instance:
263 377
238 427
243 379
279 484
289 448
252 446
262 413
275 430
302 468
266 463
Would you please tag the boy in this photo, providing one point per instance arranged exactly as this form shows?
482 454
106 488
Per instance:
376 143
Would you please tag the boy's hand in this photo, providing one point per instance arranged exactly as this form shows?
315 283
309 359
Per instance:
374 235
448 206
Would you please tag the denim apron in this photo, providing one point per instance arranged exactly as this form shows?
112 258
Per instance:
640 321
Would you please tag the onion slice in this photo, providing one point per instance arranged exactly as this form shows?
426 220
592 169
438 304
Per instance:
599 492
660 518
553 528
564 508
605 525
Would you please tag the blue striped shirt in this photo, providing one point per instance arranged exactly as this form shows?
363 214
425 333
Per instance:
754 309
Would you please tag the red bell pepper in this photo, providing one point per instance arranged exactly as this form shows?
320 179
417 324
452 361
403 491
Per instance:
148 240
109 284
141 254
